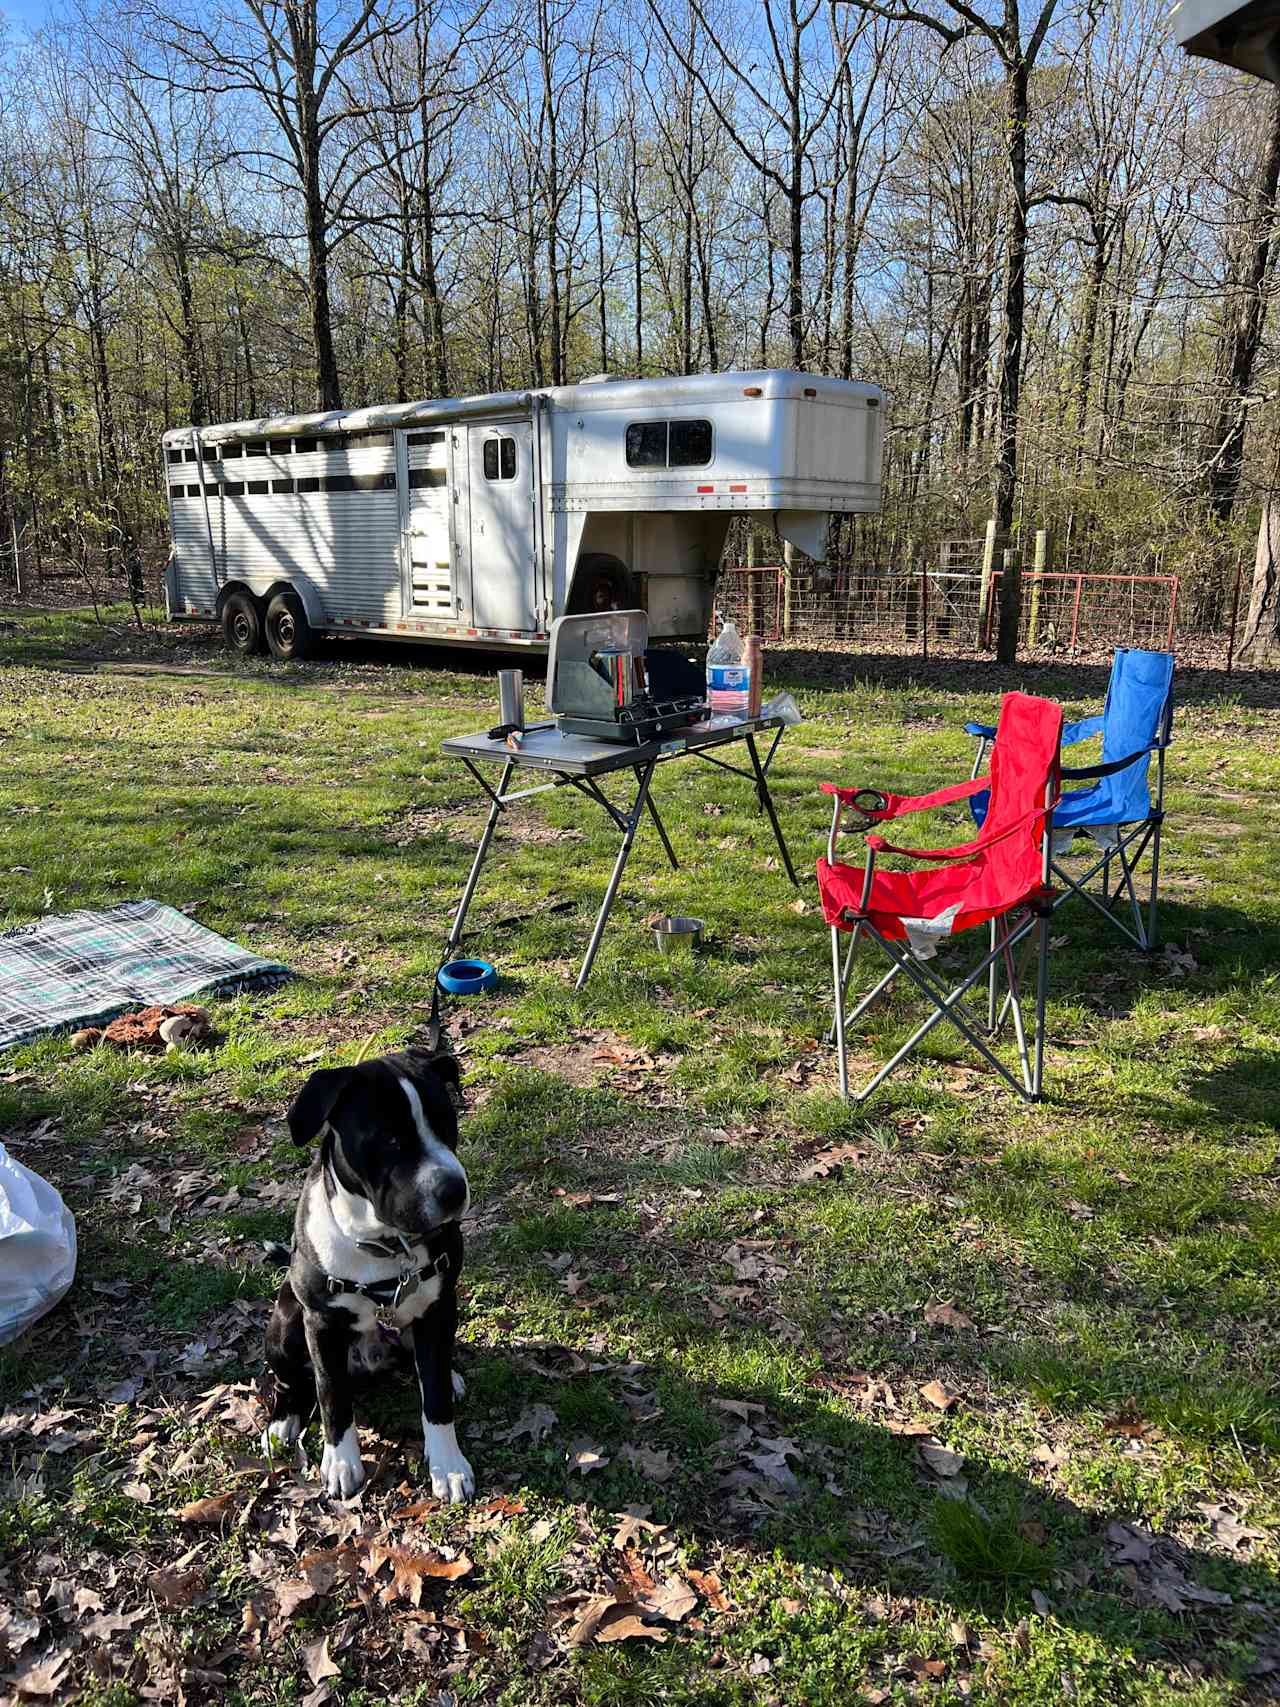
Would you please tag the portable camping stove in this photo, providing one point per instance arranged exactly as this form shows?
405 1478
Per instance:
605 683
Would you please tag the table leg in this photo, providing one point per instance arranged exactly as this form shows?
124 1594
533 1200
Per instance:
459 918
766 800
606 907
661 829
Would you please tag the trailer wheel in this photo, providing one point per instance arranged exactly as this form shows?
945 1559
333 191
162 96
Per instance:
241 624
288 631
600 582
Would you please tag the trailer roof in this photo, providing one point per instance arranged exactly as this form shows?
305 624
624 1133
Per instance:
687 389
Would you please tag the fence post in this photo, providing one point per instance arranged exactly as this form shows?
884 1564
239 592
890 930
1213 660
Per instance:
1075 612
1010 609
788 566
1235 612
1039 568
924 607
988 569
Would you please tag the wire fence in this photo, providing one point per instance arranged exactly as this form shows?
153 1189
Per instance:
925 610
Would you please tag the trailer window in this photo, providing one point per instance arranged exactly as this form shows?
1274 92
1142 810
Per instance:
193 491
258 488
426 438
177 491
174 455
419 477
233 489
690 444
311 484
282 485
232 450
668 444
371 438
335 441
256 447
211 453
301 446
499 459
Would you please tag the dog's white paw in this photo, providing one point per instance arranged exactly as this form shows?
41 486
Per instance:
459 1385
452 1478
340 1468
279 1436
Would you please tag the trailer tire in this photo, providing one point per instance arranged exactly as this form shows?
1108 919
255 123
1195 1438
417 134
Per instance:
600 582
241 622
289 633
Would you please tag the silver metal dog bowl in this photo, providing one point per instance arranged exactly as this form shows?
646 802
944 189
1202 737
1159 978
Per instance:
677 935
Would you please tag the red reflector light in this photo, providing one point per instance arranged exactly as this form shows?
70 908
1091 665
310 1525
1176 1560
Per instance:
737 488
706 488
811 391
752 391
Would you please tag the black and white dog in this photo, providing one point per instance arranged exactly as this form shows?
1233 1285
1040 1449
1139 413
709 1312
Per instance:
373 1268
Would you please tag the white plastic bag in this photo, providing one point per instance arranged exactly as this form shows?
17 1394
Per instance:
37 1247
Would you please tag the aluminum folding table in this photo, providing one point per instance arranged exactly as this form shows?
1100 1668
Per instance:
577 762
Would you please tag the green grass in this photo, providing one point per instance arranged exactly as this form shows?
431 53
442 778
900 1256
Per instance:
1117 1247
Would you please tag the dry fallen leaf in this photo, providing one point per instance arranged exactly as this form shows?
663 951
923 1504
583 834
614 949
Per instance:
657 1466
947 1316
537 1422
410 1570
940 1459
623 1626
319 1661
938 1395
175 1588
709 1587
830 1161
586 1458
211 1510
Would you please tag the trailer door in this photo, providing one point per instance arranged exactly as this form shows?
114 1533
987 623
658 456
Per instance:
427 577
503 537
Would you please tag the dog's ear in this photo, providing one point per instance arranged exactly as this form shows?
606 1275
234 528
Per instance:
314 1102
446 1067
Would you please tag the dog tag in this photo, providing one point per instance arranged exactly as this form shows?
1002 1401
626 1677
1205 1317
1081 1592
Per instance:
384 1317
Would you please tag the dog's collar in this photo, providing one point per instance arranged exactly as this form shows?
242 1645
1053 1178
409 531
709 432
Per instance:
396 1288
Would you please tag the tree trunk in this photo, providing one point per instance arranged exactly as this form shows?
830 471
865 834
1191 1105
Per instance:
1242 333
1005 483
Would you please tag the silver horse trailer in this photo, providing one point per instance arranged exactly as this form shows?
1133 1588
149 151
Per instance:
477 521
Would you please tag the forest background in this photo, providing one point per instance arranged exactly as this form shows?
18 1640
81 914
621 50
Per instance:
1049 237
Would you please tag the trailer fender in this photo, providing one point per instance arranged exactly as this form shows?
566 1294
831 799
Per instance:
298 583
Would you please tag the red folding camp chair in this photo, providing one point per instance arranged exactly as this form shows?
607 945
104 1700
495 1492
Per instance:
1001 878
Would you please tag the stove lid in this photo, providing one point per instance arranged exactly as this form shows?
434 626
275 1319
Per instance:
574 685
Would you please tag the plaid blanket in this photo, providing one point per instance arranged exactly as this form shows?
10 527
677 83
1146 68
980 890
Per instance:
76 969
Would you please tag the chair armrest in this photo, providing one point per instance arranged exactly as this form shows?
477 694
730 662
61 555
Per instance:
965 849
898 805
1085 730
1090 773
983 731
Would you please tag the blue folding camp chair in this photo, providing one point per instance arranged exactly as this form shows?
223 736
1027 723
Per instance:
1116 809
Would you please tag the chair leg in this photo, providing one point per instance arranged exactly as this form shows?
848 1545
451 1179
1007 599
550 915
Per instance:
1014 1004
1042 1001
1152 939
1138 922
837 979
844 982
993 979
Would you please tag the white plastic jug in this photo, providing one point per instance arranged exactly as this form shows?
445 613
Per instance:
37 1247
728 674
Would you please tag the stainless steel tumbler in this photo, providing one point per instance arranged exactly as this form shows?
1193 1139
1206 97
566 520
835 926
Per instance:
511 698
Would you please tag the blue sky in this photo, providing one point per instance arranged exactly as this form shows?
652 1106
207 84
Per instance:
24 15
